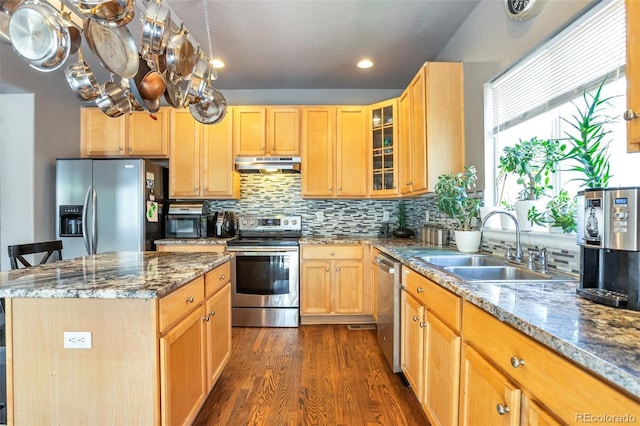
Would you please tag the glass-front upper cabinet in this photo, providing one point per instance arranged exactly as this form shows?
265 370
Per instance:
384 148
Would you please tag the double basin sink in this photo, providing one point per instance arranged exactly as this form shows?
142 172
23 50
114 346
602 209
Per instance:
485 268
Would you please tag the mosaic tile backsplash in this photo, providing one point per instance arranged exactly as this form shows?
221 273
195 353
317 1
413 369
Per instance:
263 194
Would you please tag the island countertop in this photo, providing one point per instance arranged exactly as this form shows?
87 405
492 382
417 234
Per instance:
133 275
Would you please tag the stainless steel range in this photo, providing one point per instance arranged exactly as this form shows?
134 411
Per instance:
265 276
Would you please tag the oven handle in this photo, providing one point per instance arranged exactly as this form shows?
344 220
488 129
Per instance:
259 251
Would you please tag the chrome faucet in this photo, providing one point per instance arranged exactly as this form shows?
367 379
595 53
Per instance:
537 254
518 257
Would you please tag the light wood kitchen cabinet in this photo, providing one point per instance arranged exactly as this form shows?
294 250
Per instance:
384 149
551 386
633 70
432 347
151 361
333 283
201 160
431 129
487 396
334 152
135 135
270 131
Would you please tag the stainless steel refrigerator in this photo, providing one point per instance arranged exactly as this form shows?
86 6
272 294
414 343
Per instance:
108 205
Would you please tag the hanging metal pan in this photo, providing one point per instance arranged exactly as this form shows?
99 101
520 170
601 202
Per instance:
155 29
5 17
109 13
81 79
114 46
39 36
181 55
211 109
145 96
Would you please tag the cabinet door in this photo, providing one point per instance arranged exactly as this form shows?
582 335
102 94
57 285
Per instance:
318 136
101 135
348 287
486 396
404 134
534 415
184 161
418 133
351 151
249 130
148 137
442 379
383 155
412 353
315 288
633 68
283 131
218 333
182 370
219 180
445 121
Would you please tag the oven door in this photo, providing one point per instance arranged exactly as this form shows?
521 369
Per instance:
183 226
265 277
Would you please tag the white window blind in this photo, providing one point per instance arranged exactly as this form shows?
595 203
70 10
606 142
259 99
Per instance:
576 59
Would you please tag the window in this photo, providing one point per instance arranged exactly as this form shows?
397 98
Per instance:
530 98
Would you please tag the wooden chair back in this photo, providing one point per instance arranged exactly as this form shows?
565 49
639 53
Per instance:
51 250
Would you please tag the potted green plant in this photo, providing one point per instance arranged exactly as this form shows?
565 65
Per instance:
402 231
588 140
560 214
453 200
533 161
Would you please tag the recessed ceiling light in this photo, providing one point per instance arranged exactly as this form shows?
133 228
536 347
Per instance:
365 63
217 63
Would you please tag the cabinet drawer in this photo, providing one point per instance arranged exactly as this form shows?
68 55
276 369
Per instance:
332 252
217 278
556 382
440 301
179 303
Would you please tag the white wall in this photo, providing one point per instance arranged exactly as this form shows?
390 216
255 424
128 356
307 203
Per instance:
488 42
53 122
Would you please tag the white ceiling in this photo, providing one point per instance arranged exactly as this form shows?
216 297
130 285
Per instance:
315 44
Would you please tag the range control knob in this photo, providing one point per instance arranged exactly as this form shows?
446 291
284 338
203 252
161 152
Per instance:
244 221
286 221
293 222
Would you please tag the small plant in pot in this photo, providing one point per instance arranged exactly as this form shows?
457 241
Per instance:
533 161
560 214
453 200
402 231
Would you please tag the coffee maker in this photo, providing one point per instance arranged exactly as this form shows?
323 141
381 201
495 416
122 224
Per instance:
609 233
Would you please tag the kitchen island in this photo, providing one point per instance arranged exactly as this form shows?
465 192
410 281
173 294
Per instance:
116 338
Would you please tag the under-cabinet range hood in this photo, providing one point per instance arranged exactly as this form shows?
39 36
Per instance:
268 164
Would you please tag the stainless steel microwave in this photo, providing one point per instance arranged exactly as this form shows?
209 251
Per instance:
188 221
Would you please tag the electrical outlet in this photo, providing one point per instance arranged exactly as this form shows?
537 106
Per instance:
77 340
319 217
385 216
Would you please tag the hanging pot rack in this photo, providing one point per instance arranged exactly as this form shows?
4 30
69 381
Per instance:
111 41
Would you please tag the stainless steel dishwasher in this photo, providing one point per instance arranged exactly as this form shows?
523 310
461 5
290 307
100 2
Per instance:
389 309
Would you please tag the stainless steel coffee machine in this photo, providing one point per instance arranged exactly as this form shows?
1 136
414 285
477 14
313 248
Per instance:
609 233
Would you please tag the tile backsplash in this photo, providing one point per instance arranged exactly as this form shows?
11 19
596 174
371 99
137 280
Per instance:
264 194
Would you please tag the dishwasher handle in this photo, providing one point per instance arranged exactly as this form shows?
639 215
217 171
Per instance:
385 264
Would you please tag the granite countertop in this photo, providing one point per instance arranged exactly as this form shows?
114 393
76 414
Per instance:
133 275
599 338
196 241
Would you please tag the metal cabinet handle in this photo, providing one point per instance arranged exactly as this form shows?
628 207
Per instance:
222 277
339 188
327 269
190 299
516 362
420 290
502 409
120 148
416 318
195 189
630 115
338 269
423 324
130 149
212 314
333 253
206 318
204 188
331 188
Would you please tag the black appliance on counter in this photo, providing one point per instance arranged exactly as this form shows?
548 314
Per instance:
265 278
225 224
189 220
609 232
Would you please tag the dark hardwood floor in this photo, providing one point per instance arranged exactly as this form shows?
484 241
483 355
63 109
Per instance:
311 375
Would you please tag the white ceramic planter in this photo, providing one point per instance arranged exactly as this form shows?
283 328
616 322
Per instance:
523 207
468 241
